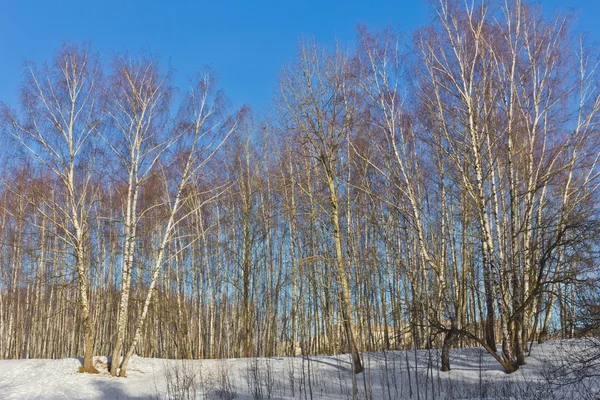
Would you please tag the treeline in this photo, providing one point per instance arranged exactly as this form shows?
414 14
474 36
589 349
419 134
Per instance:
435 189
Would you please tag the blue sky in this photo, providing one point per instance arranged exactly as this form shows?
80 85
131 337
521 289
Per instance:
246 42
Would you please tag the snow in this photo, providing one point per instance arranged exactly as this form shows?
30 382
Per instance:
397 374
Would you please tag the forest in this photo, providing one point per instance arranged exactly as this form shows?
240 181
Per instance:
437 188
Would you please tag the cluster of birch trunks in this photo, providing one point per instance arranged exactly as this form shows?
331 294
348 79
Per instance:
436 188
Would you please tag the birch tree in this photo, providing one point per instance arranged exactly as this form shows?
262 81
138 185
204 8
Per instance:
58 128
317 94
138 114
202 129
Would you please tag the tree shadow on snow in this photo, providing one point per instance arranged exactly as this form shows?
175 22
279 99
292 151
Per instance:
337 363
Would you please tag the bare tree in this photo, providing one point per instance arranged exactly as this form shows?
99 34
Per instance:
317 95
138 113
202 130
61 114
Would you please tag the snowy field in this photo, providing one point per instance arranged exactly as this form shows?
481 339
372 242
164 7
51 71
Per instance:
389 375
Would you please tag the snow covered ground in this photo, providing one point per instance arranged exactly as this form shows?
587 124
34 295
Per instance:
389 375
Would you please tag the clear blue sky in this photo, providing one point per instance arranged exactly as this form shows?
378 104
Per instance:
246 42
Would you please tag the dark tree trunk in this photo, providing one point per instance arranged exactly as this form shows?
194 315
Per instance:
446 346
490 337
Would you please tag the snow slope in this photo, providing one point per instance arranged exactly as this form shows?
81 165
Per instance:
389 375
